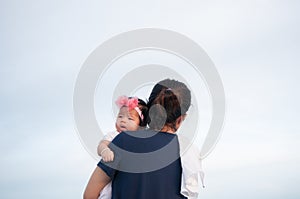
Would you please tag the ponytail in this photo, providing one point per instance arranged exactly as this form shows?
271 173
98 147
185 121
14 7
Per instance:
169 100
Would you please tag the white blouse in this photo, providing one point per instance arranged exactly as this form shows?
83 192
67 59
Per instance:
192 172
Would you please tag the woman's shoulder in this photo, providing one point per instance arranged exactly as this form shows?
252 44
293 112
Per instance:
125 135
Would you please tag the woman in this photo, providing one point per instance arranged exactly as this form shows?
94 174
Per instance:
147 163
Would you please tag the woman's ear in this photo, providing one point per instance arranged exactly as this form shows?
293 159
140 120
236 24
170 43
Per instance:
179 120
184 116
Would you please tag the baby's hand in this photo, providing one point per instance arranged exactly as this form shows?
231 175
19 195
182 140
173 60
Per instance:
107 155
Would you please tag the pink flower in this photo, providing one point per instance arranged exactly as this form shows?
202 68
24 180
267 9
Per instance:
132 103
122 101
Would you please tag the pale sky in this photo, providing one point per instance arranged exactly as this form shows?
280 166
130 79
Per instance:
254 45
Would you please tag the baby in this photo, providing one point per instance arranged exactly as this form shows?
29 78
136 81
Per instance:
131 117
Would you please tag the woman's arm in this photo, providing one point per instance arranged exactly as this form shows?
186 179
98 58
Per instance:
97 182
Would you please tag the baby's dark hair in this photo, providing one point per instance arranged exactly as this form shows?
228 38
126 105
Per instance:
144 109
169 100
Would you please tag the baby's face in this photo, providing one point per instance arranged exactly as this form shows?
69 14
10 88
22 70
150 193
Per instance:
127 120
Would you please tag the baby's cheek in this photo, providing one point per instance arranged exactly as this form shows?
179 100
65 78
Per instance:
134 126
118 128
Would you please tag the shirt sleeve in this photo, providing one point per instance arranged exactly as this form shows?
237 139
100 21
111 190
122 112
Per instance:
111 168
110 171
110 135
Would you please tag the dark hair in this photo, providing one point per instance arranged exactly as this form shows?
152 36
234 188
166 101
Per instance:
168 100
144 109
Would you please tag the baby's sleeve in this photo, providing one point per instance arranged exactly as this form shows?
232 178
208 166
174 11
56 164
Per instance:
110 135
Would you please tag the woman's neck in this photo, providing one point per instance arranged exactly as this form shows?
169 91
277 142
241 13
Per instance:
168 129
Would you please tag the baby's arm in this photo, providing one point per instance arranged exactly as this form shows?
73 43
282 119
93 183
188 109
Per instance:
104 151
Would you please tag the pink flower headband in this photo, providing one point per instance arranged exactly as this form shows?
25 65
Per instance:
131 103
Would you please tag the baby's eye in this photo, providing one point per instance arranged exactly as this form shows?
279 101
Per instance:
120 116
130 118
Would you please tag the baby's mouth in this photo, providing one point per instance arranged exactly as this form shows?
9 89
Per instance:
123 127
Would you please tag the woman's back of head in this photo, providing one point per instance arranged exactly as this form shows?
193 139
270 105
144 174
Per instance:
168 100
